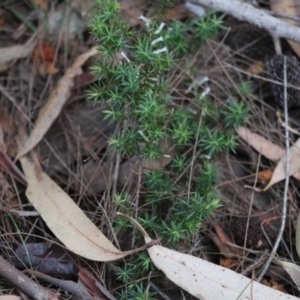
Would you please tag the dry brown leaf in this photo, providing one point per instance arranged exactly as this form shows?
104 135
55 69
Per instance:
133 9
95 287
261 144
294 165
229 263
291 8
222 239
256 68
177 12
223 236
65 219
274 285
42 4
206 280
44 57
264 177
167 148
265 147
55 103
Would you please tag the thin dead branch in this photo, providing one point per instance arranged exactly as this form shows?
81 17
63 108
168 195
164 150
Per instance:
246 12
286 185
24 283
68 285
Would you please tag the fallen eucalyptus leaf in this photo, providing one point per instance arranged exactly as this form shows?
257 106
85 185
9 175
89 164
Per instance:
65 219
55 103
294 165
205 280
273 152
261 144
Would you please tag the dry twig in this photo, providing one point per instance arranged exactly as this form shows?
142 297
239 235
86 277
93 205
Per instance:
286 185
24 283
68 285
246 12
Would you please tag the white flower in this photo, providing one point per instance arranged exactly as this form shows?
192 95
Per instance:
160 39
146 21
205 93
164 49
161 26
124 55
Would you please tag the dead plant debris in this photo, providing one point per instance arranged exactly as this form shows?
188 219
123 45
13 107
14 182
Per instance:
59 177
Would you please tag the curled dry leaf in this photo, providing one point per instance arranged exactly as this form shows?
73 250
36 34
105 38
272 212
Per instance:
294 165
94 286
206 280
273 152
229 263
44 56
261 144
166 147
264 176
274 285
290 8
55 103
65 219
222 239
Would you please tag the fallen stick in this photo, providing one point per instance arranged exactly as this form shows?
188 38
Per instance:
246 12
24 283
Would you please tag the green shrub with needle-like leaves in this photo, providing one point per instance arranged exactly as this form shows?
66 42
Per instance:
136 93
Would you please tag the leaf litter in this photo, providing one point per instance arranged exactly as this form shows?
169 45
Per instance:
55 103
198 276
86 171
65 219
274 152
